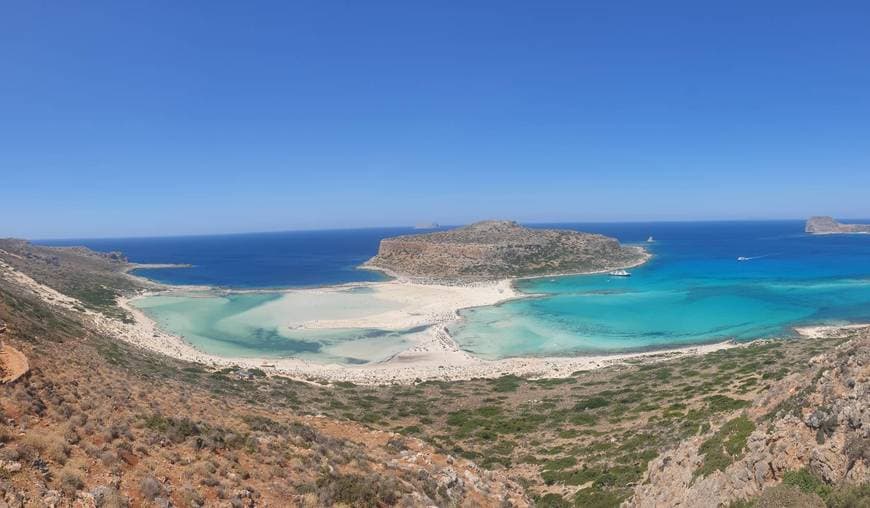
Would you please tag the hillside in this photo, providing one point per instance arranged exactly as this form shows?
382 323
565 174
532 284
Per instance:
799 435
96 422
500 249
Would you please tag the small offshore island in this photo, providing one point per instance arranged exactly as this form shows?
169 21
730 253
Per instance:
824 225
495 250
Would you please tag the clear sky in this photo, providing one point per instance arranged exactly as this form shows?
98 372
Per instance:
166 117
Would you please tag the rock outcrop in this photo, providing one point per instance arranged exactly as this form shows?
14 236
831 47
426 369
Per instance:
492 250
822 427
823 225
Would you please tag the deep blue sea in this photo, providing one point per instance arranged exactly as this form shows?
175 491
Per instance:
255 260
694 290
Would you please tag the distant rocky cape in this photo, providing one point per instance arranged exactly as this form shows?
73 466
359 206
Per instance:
827 225
493 250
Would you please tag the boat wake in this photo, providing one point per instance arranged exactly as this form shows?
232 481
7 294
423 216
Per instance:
750 258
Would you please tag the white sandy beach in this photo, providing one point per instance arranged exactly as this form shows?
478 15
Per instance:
391 305
434 356
828 331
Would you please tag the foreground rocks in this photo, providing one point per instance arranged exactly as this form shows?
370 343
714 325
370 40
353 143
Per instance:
493 250
820 427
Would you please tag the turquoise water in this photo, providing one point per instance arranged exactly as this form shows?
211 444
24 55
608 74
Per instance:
693 291
248 325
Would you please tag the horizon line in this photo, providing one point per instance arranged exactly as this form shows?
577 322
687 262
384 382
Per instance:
361 228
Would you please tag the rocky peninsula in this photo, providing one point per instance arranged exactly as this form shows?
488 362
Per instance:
493 250
823 225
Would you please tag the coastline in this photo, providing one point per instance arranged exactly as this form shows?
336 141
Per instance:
435 357
646 256
411 304
828 331
823 233
154 266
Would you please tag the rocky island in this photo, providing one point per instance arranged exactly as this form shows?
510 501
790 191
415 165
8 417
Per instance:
492 250
823 225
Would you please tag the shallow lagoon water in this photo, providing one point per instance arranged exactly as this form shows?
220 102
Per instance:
246 325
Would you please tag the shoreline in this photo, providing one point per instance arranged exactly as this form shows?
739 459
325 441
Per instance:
827 331
435 357
154 266
646 256
438 358
430 305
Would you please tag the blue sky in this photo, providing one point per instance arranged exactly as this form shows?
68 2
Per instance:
159 117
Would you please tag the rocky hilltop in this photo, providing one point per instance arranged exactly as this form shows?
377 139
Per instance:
799 438
499 249
827 225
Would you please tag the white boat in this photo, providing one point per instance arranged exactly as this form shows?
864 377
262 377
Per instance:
650 240
743 258
619 273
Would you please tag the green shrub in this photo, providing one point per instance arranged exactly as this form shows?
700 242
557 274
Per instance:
508 383
850 496
807 482
583 419
175 429
591 403
780 496
358 490
561 463
727 444
721 403
594 498
552 501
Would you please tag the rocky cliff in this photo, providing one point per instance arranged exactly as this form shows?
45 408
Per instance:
827 225
499 249
808 432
